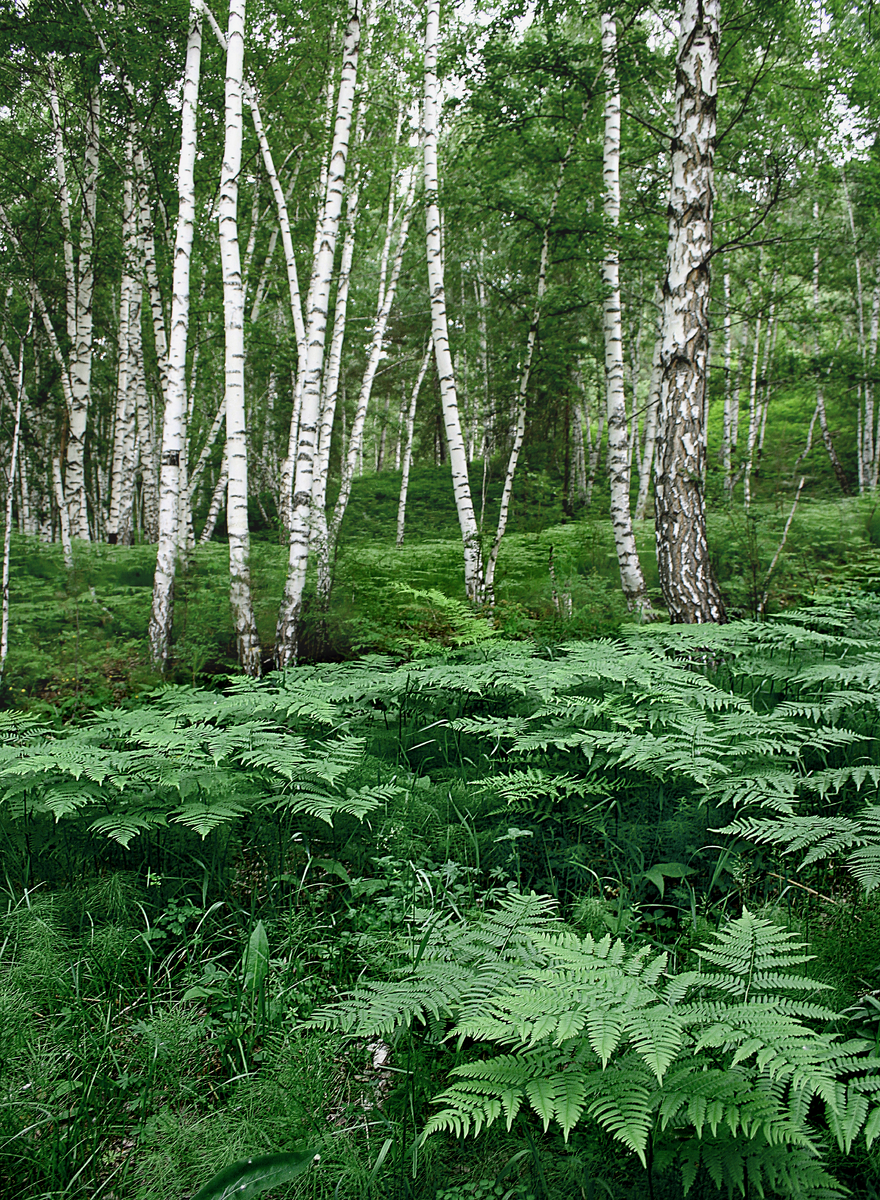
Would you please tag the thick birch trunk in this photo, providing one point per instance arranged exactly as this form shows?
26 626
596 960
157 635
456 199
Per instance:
473 566
173 438
246 636
408 445
631 577
311 369
686 576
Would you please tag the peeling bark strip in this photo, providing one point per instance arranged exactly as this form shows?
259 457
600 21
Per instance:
175 400
473 567
310 370
686 577
618 455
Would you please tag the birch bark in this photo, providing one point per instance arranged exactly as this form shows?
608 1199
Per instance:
311 369
13 462
631 577
175 400
651 412
356 437
63 515
728 440
218 497
689 587
408 445
246 636
836 464
124 426
79 280
81 367
473 565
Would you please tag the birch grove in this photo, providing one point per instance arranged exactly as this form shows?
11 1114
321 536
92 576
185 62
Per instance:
228 335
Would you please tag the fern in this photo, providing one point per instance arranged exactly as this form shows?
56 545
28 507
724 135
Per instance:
725 1060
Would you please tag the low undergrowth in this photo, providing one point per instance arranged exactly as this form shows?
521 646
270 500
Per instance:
612 901
78 641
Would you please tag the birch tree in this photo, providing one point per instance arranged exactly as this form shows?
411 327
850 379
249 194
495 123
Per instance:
409 423
246 636
175 400
473 564
79 269
631 577
689 587
310 370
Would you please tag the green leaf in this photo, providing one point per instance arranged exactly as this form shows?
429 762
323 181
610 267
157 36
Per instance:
252 1176
660 872
255 961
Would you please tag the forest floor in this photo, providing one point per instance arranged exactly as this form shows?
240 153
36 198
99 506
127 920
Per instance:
454 814
78 639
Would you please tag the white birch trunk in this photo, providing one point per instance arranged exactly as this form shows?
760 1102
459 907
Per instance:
218 499
470 533
727 436
13 463
631 577
753 415
63 515
865 431
124 425
689 587
147 235
81 366
481 432
311 369
356 438
288 463
871 441
646 462
175 401
408 445
198 469
836 464
246 636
